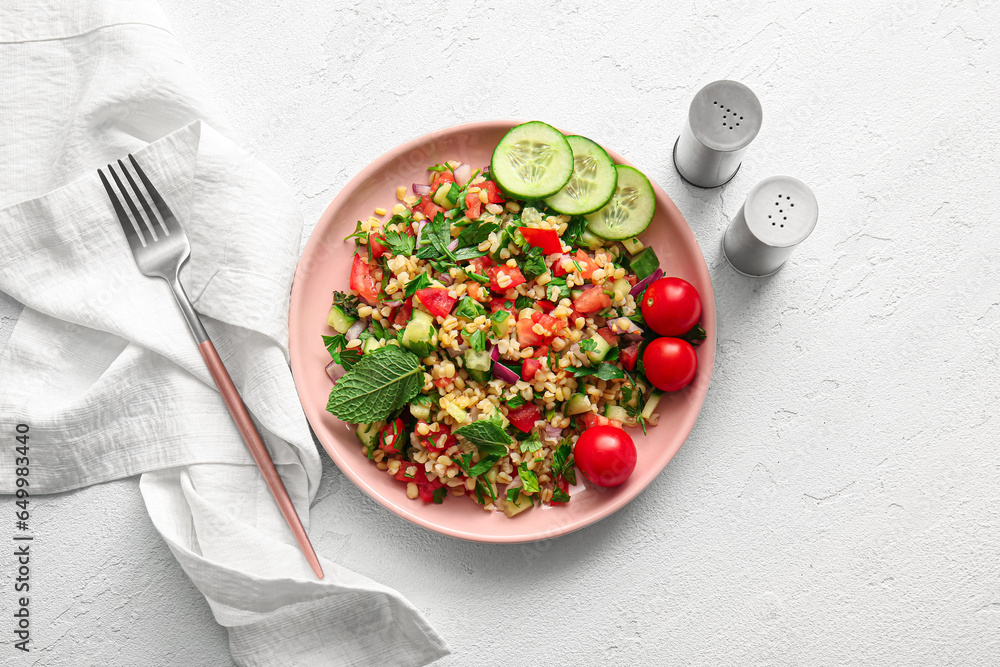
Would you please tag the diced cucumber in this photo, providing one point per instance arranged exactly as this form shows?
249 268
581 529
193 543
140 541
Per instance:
590 241
532 161
458 414
633 245
367 433
514 507
491 474
577 404
592 183
371 344
420 411
623 286
575 293
478 364
645 263
441 198
501 323
420 335
651 403
615 412
469 308
630 210
600 350
340 320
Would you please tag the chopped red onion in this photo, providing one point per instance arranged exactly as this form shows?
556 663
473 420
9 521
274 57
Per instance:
501 372
445 279
355 331
585 287
421 189
462 175
420 228
393 304
335 371
453 245
645 282
495 354
552 431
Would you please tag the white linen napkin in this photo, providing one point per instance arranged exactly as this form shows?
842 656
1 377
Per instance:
101 364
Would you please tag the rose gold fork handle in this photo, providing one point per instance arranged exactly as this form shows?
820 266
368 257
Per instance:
258 450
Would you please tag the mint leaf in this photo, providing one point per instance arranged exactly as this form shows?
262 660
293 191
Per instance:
486 434
532 445
378 385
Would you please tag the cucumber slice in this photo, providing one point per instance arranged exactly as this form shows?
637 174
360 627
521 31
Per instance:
420 411
651 404
577 404
371 344
630 210
601 348
592 183
616 412
340 320
366 433
420 336
590 241
532 161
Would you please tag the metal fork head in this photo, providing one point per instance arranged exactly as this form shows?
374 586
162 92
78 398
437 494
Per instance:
159 244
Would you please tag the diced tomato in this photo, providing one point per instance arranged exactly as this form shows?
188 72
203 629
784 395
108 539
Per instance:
608 335
546 306
492 191
563 486
524 417
591 420
431 441
546 239
480 264
473 207
443 382
428 207
436 300
362 281
418 475
390 438
531 366
587 265
500 303
591 301
557 267
526 335
405 313
441 177
375 248
549 323
540 352
512 272
629 356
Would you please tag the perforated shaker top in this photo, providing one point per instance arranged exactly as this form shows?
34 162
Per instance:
781 211
725 115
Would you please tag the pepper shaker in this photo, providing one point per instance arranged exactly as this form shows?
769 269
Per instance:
779 213
724 117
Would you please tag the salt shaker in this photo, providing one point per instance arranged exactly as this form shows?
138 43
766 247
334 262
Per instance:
724 117
779 213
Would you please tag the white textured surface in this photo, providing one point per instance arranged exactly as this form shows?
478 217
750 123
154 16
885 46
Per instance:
837 501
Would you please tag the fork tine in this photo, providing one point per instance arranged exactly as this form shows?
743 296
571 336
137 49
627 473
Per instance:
142 200
168 217
135 211
136 241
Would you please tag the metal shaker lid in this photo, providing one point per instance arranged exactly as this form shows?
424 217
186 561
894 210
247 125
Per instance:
725 115
779 213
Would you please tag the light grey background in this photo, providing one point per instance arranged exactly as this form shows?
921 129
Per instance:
836 502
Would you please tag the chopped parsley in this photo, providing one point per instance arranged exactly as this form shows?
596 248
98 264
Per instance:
588 345
337 347
347 303
399 244
477 341
420 282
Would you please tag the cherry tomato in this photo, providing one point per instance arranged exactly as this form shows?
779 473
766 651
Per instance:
606 455
591 420
670 363
671 306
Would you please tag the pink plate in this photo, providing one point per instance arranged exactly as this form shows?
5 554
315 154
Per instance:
325 266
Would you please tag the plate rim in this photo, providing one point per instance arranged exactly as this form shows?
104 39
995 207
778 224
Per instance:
619 500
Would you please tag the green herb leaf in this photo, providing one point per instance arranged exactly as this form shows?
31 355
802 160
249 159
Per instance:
574 229
695 336
439 494
357 234
453 192
439 167
347 303
337 347
475 233
562 462
512 494
399 244
529 478
612 354
378 331
516 402
523 302
478 278
377 386
483 465
533 263
477 341
556 289
465 254
486 434
532 445
559 496
420 282
609 372
588 345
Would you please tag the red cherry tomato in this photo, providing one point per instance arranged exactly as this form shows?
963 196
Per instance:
606 455
671 306
670 363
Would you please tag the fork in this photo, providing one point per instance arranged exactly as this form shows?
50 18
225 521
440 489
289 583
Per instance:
159 252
